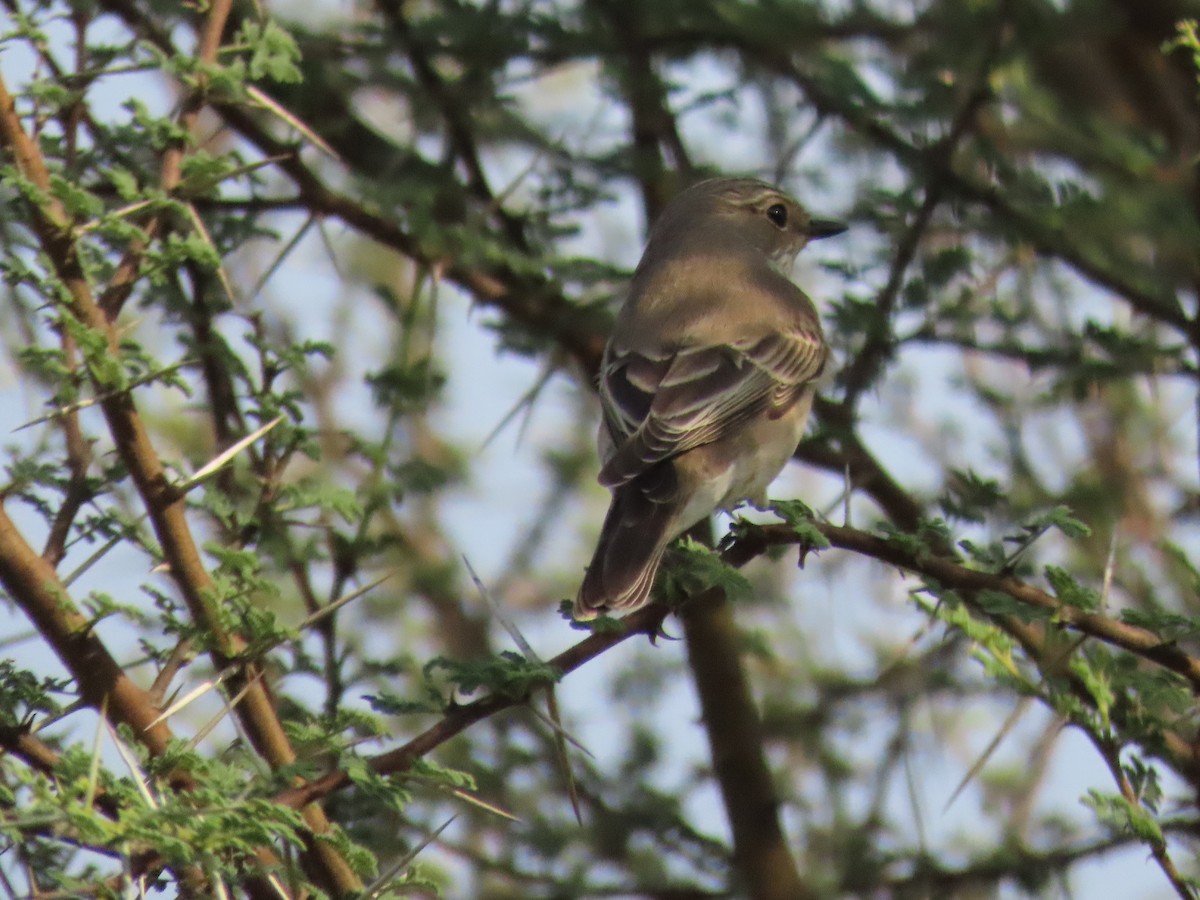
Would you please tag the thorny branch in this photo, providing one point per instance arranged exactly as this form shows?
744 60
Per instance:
164 504
752 542
539 305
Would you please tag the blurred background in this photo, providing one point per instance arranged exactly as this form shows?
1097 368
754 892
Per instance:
398 232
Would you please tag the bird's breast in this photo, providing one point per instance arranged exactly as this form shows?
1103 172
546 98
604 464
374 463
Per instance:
740 466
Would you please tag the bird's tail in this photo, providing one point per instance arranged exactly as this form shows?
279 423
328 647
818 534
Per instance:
635 534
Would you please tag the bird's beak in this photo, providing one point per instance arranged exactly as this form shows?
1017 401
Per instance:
823 228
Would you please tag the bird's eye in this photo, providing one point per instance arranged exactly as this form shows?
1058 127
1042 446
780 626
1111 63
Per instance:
778 215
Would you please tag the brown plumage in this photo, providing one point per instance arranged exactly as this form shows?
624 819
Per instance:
707 379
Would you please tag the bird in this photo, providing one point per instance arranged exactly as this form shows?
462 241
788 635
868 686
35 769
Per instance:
707 379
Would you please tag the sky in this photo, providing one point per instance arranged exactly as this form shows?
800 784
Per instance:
833 597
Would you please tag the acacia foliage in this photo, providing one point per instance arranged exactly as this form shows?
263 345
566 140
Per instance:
249 257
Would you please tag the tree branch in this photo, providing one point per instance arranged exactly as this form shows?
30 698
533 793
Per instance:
762 857
120 285
164 504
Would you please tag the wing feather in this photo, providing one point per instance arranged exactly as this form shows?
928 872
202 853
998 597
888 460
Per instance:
658 406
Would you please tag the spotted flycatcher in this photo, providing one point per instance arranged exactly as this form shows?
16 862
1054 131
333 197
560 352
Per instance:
708 377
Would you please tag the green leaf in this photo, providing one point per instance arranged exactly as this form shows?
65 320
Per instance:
508 673
24 694
1060 517
125 183
991 557
392 704
274 54
1167 625
800 517
693 569
1092 672
1070 591
441 775
930 536
968 496
79 203
1144 781
1123 817
997 603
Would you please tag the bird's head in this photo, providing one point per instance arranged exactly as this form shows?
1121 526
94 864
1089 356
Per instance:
744 211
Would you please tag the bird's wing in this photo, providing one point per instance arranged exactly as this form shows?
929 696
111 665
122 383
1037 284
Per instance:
657 406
